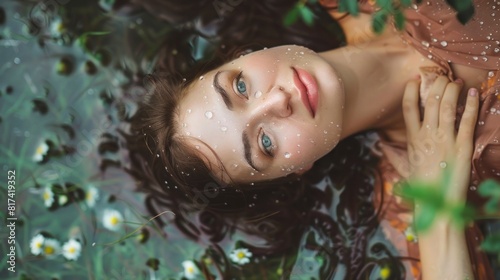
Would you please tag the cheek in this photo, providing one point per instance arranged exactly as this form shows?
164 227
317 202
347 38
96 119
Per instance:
301 148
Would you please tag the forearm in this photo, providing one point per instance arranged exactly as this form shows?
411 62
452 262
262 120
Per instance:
444 253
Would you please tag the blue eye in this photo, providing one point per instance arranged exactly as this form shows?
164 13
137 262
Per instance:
267 144
241 87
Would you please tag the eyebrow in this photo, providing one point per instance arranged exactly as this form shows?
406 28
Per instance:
223 93
247 148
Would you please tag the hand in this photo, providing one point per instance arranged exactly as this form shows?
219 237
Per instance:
434 146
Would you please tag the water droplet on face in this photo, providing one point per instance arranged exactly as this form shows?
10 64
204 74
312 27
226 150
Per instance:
288 155
481 123
298 134
491 74
325 132
197 147
442 164
189 111
475 57
444 43
425 44
223 128
258 94
184 125
209 115
201 78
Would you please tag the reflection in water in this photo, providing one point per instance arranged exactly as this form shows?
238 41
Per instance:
71 80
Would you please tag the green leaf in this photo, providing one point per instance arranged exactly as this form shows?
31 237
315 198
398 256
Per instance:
399 19
378 21
350 6
464 8
491 243
424 194
291 16
384 4
460 5
492 206
406 3
489 188
307 15
462 214
425 217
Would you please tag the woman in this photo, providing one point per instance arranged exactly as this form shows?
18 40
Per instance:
273 113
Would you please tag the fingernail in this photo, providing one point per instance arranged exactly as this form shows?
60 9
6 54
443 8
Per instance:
459 81
473 92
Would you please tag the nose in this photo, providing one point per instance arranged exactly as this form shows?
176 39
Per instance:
276 103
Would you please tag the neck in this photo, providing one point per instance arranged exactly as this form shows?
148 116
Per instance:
374 75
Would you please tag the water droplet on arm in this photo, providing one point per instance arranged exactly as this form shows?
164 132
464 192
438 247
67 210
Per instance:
288 155
209 114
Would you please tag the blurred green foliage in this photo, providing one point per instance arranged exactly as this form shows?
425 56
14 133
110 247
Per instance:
385 10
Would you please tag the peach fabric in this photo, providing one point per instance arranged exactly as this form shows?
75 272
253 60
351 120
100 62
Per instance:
432 29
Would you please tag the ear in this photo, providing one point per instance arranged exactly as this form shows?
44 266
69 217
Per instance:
304 169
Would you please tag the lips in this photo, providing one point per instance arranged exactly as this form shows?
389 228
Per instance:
308 89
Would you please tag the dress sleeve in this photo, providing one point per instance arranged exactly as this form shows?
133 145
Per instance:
434 30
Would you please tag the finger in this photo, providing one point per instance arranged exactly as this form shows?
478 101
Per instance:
411 111
431 114
468 122
448 108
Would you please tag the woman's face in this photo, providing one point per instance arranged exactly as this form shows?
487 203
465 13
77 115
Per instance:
264 115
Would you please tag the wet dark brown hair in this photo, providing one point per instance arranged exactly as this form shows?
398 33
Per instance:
280 212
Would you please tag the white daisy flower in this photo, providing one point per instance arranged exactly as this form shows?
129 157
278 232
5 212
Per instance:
410 234
240 256
36 244
51 248
40 151
48 196
57 27
71 249
62 199
91 196
190 269
112 219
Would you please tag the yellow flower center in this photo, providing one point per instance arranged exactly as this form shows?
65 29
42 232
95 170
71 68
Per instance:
89 196
49 250
410 237
38 245
39 150
46 196
240 255
114 220
190 269
72 250
385 273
